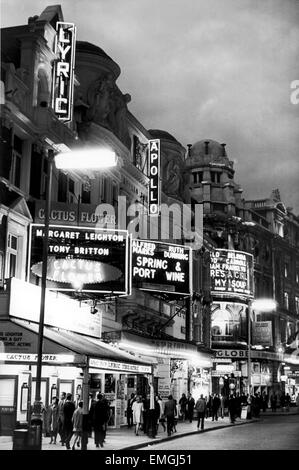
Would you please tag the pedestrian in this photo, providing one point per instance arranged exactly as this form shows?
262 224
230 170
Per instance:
146 408
215 407
129 410
190 407
238 405
68 411
249 408
209 403
137 410
161 417
99 420
77 420
222 406
232 407
287 402
77 400
91 403
183 406
200 407
61 417
170 413
52 418
264 402
107 412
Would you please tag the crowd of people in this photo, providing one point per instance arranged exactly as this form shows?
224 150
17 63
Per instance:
64 418
167 412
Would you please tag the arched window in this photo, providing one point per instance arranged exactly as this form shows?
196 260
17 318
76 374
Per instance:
43 93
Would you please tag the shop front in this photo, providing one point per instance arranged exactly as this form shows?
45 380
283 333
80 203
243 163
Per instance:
230 371
71 344
181 367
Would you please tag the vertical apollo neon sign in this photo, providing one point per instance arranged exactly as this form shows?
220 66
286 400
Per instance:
63 78
154 177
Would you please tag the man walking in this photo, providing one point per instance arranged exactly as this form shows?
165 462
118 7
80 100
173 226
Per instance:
190 407
68 411
170 413
201 407
129 410
61 417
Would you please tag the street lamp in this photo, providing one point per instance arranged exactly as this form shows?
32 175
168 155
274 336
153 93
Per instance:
85 159
262 305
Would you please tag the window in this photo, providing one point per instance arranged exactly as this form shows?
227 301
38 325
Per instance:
12 248
62 187
278 227
15 170
297 305
286 300
197 177
287 268
215 177
85 198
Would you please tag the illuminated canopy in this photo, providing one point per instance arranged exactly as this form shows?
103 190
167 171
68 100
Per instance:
86 158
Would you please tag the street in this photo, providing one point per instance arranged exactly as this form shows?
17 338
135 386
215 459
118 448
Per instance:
270 433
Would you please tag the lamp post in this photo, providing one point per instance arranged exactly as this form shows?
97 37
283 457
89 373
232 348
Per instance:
262 305
83 160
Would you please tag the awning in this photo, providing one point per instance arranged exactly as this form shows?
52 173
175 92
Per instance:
65 347
156 347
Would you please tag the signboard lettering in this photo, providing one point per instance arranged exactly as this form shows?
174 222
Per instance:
103 364
82 258
232 272
262 333
63 80
154 177
161 266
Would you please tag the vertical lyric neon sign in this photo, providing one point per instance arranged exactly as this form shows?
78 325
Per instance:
63 73
154 177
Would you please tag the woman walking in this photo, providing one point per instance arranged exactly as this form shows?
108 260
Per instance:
77 425
137 409
53 415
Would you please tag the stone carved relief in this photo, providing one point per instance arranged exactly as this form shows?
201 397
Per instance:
108 107
173 181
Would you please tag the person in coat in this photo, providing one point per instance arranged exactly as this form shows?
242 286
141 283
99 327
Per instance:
161 416
61 417
130 402
68 411
137 410
190 407
52 418
201 407
183 406
100 418
170 413
215 407
77 420
232 408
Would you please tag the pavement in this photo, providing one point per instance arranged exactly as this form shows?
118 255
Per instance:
125 439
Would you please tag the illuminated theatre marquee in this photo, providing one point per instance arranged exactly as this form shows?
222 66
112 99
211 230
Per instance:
231 272
81 258
154 177
63 73
161 267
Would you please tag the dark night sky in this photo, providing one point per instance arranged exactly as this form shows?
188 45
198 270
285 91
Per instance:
200 69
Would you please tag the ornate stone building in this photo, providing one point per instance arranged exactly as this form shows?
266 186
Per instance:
269 231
